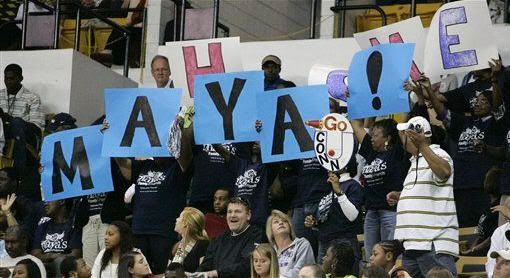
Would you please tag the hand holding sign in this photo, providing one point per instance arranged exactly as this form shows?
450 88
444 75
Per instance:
333 141
72 164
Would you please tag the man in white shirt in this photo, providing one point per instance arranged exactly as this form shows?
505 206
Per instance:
499 239
21 114
160 69
16 241
426 213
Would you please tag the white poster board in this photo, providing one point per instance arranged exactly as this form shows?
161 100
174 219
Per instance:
335 78
460 39
406 31
190 58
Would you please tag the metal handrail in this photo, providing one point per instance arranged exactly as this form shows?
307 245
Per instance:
96 13
337 8
313 14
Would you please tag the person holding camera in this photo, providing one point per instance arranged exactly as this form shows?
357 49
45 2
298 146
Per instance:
426 215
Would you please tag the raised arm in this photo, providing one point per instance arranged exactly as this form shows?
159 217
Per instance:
358 127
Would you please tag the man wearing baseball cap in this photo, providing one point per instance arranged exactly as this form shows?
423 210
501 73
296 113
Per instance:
272 65
502 268
426 214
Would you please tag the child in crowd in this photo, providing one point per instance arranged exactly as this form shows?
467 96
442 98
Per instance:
264 263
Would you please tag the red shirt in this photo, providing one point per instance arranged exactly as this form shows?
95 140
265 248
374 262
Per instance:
215 225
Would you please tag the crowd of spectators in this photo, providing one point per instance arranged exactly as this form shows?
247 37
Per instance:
219 211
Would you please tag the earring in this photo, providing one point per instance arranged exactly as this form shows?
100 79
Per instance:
385 145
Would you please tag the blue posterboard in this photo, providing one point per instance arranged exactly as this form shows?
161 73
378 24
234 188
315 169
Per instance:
73 165
376 78
283 113
225 107
139 121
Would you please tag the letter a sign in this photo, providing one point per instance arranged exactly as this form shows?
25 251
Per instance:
460 39
73 165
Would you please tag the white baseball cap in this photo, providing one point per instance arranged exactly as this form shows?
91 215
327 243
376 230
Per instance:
505 254
418 124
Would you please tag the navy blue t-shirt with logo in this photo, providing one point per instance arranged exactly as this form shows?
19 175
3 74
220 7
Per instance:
160 196
382 173
337 224
53 237
210 171
490 131
312 182
253 181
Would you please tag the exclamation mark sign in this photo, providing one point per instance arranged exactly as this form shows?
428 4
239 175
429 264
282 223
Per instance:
374 70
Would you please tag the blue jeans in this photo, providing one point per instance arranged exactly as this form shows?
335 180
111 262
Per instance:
379 225
418 262
298 221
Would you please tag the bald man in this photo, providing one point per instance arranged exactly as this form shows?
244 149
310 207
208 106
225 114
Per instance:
499 239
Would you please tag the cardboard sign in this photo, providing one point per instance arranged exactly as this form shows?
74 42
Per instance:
333 141
190 58
460 39
139 121
73 165
334 78
376 80
226 108
283 113
406 31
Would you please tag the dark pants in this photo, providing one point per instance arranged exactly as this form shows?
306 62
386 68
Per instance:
156 249
22 132
470 203
418 263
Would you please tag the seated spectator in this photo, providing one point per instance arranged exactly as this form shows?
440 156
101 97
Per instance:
74 268
427 192
382 174
15 209
489 220
264 263
373 272
216 223
385 255
193 245
229 254
21 114
293 253
311 271
26 269
56 236
16 243
338 211
272 66
499 239
502 266
133 265
118 241
439 272
175 270
339 260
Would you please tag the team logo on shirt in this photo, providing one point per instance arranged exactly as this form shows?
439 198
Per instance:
376 166
249 179
508 140
151 178
54 242
467 137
